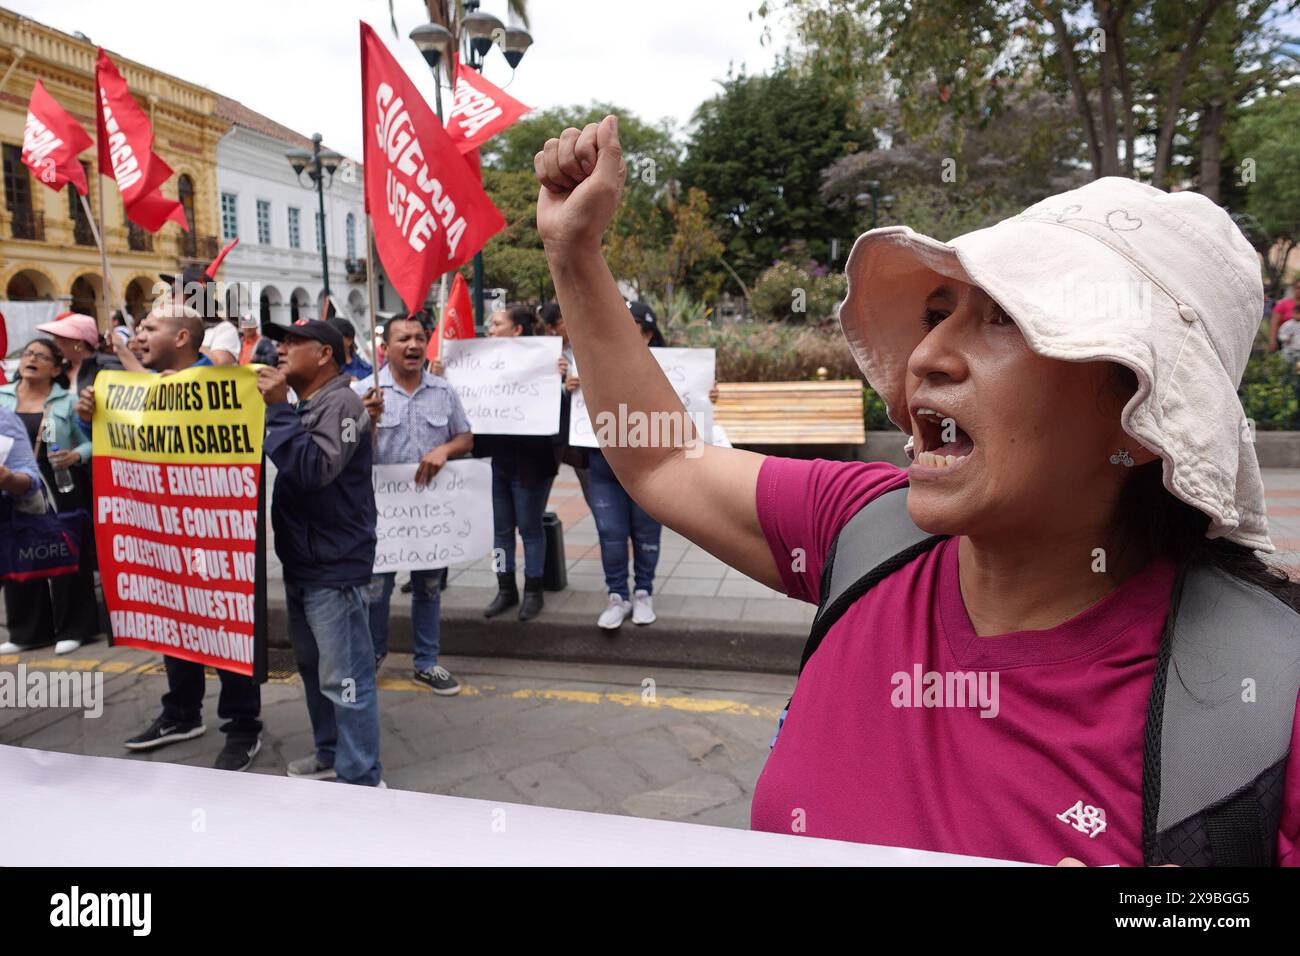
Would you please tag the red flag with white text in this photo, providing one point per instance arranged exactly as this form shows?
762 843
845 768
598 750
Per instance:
457 318
126 149
480 109
429 212
52 139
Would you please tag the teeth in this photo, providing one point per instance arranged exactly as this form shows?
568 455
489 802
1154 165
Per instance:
929 459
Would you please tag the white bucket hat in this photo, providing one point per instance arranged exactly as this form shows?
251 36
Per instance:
1163 283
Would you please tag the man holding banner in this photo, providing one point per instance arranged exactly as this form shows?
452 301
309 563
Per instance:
323 512
140 574
423 425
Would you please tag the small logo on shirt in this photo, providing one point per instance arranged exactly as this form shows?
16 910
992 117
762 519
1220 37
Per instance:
1085 818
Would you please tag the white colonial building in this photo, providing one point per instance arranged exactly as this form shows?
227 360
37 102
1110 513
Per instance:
277 221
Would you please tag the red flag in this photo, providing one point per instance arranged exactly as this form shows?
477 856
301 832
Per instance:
51 141
429 213
126 147
457 318
480 110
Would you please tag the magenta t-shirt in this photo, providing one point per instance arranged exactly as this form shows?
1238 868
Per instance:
1054 770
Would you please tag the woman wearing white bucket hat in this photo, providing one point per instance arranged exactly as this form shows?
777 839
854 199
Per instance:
1051 636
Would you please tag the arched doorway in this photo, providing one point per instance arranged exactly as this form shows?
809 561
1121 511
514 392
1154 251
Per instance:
357 306
139 298
299 305
271 305
86 295
29 286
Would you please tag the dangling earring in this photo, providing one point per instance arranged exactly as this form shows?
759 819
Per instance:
1122 457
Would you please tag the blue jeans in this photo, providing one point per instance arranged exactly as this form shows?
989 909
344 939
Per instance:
426 615
618 518
336 660
514 506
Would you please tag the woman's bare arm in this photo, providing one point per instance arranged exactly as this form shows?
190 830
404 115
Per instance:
703 492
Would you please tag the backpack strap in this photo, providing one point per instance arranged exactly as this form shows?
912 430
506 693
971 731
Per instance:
1219 724
873 544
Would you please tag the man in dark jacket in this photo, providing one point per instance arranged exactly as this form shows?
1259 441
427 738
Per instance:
323 513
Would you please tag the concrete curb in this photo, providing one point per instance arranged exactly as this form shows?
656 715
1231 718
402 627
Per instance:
574 638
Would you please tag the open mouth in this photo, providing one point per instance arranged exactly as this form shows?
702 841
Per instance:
940 442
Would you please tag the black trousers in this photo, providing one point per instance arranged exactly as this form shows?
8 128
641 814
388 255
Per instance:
240 702
45 610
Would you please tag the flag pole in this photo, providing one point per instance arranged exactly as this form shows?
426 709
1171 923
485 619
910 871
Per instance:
442 314
105 323
370 293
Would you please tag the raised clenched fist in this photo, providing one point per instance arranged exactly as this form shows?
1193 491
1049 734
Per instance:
581 174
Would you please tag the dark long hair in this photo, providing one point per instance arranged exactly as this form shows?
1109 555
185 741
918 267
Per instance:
60 362
1159 525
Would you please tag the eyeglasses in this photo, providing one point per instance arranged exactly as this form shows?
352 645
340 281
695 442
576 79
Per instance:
37 354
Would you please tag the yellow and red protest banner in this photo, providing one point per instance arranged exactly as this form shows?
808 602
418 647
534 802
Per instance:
179 513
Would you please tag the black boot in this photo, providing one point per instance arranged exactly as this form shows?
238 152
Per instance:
533 599
507 594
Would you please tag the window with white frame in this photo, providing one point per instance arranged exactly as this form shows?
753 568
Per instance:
264 221
295 238
229 216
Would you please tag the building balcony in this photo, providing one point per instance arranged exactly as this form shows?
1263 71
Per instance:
199 247
138 239
82 234
28 224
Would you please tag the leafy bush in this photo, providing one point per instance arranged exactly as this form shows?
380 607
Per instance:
789 292
1269 392
873 411
768 351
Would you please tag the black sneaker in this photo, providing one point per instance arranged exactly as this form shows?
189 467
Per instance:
160 734
237 754
440 681
379 661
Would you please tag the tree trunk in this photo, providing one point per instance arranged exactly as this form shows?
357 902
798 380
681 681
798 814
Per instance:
1125 85
1165 141
1211 142
1106 90
1065 46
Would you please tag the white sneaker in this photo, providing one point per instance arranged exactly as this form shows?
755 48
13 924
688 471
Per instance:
643 608
66 647
9 647
611 619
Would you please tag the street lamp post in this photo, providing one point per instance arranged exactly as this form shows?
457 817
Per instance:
480 32
319 165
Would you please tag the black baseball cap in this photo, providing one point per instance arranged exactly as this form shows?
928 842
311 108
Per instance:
313 329
344 326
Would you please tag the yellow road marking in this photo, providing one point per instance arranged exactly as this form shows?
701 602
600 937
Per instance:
694 705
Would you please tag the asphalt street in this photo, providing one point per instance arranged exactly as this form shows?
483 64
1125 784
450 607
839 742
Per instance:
661 743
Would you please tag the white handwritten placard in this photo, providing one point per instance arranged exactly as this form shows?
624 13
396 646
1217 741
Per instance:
449 521
691 372
509 386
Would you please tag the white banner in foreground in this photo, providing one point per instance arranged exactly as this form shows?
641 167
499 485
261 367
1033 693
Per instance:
691 372
449 521
60 799
508 386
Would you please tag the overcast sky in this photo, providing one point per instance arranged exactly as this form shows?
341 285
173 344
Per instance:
299 62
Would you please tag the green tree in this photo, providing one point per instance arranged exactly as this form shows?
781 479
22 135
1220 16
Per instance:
759 149
1138 73
1265 142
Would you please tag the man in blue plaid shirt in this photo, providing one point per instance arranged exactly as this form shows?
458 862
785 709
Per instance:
422 423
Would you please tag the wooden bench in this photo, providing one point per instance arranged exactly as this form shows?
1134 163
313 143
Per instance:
791 413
